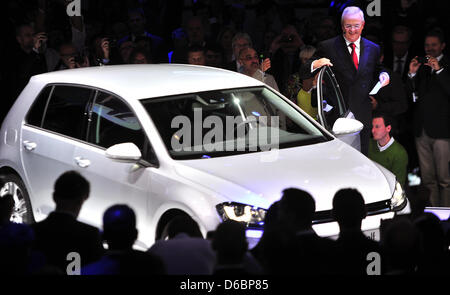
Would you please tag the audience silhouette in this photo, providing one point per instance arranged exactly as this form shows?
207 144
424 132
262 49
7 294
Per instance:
230 244
305 252
60 233
15 242
120 233
401 245
185 252
352 246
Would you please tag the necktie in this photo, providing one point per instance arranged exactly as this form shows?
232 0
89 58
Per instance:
354 56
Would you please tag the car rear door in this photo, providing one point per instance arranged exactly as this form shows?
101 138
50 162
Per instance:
54 124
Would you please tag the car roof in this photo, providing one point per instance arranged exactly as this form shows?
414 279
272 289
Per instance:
147 81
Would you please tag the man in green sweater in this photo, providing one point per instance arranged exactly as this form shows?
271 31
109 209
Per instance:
384 150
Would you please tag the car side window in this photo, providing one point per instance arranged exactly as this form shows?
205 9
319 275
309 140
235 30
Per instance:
66 111
333 106
37 110
113 122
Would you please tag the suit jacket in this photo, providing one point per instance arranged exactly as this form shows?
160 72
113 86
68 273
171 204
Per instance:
351 252
388 61
392 100
309 254
60 233
432 109
355 84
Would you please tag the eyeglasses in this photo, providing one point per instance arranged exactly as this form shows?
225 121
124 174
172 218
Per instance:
249 58
356 27
242 45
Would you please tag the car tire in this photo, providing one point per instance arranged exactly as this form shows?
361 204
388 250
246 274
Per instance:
164 234
13 184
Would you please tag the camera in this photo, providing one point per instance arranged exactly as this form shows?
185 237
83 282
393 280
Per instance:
287 39
112 42
423 59
79 59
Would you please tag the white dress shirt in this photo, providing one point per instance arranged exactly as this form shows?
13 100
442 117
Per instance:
357 47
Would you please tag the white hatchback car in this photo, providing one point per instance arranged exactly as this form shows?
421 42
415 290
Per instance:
179 139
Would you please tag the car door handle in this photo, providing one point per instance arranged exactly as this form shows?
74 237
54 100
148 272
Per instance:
83 163
29 146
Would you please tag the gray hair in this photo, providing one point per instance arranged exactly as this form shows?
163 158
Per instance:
307 52
352 10
241 35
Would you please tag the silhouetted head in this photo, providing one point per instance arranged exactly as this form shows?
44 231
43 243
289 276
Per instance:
70 191
402 246
349 208
296 209
119 227
272 216
433 236
183 224
136 21
419 201
229 242
6 208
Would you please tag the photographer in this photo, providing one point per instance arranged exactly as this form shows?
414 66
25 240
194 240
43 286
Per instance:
285 49
102 51
28 61
429 76
70 58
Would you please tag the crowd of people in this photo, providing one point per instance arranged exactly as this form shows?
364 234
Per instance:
416 243
406 124
278 44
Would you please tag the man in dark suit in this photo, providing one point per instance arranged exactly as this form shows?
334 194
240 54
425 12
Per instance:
305 253
60 233
401 53
356 64
431 80
240 41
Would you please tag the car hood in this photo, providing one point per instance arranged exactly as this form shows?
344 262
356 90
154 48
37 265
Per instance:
321 169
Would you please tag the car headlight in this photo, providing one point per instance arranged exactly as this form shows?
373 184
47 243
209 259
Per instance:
251 216
398 200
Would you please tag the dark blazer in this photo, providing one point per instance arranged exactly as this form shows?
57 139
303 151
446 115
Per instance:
60 233
388 61
432 109
309 254
355 84
392 98
351 252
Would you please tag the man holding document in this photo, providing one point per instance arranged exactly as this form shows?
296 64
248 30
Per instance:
356 64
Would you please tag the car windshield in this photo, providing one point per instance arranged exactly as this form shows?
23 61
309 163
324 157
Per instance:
226 122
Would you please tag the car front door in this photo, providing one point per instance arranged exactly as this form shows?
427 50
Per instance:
54 124
111 122
332 106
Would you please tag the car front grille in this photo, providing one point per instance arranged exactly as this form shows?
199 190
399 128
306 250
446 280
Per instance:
372 209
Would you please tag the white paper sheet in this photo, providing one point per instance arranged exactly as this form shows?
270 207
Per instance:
375 89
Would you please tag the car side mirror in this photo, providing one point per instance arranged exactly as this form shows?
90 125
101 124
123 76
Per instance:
126 152
347 126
